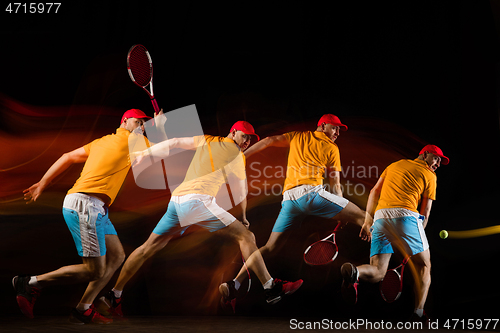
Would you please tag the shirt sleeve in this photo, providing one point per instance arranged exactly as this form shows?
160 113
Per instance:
431 186
334 163
290 135
88 146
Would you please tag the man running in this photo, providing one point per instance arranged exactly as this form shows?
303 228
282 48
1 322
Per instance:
85 211
399 224
216 160
311 155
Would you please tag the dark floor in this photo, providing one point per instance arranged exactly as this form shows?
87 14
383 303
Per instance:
214 324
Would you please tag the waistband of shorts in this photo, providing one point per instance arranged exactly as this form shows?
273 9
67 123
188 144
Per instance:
179 199
393 213
298 191
73 200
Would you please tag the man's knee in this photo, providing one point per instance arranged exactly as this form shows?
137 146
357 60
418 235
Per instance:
423 267
246 236
422 260
116 259
96 272
115 255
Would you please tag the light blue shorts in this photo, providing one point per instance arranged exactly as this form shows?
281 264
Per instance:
88 221
304 200
402 233
184 211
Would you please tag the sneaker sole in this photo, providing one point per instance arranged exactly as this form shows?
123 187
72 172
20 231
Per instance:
274 300
23 304
75 321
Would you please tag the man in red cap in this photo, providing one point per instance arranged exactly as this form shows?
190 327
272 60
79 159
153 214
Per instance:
217 161
311 155
85 211
393 205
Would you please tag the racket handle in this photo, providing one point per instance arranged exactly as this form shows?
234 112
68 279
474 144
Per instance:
155 105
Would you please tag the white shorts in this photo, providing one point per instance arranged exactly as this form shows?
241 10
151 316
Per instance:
189 209
398 229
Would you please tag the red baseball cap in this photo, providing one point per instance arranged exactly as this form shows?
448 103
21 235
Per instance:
436 151
245 127
134 113
332 119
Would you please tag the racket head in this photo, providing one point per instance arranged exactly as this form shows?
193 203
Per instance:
139 65
391 286
321 252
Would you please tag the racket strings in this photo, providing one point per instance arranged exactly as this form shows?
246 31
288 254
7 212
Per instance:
391 285
140 66
321 252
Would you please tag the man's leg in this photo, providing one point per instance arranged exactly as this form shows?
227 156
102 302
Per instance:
352 214
114 258
28 288
249 250
375 271
135 261
275 243
422 262
93 268
275 289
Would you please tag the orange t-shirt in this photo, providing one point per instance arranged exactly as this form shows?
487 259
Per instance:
309 156
405 182
107 165
215 158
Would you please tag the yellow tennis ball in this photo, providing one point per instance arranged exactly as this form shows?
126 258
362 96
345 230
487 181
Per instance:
443 234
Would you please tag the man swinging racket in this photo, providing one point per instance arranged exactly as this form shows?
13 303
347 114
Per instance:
216 160
85 211
403 187
312 153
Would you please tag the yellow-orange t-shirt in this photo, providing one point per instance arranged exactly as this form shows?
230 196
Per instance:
107 165
310 154
215 159
405 182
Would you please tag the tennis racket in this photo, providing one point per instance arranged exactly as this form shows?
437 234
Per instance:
392 284
140 70
323 251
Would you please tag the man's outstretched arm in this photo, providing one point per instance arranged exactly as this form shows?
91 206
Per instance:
270 141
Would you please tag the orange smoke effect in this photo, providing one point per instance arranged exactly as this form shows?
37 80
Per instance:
35 137
32 138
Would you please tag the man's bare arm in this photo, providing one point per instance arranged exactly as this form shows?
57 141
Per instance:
64 162
270 141
425 209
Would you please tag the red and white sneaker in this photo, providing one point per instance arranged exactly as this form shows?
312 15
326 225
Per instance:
113 304
90 316
349 289
26 294
229 293
281 288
